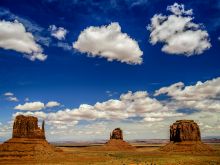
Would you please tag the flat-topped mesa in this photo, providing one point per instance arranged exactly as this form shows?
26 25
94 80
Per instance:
116 134
184 130
27 127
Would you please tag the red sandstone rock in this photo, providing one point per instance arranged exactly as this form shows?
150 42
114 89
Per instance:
116 142
27 142
116 134
27 127
185 136
184 130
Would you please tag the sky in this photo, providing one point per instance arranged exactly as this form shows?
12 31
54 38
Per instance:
87 67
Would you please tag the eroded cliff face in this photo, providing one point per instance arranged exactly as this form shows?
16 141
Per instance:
116 134
184 130
27 127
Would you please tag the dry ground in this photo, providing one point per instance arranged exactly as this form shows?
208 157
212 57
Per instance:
144 155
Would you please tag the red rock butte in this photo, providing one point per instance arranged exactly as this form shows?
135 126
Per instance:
184 130
116 142
27 127
185 136
28 141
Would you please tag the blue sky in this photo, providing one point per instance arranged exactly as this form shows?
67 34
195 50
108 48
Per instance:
72 78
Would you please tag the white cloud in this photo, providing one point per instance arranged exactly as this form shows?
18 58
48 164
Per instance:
35 106
13 36
179 9
8 94
177 31
37 30
51 104
38 114
12 98
150 119
31 106
109 42
58 32
38 56
137 104
201 96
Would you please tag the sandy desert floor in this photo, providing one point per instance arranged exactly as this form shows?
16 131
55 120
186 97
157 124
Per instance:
144 155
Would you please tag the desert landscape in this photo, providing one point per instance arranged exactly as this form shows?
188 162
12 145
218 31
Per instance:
109 82
28 145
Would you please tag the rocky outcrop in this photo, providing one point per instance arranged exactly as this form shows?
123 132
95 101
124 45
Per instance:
185 137
116 142
184 130
27 142
27 127
116 134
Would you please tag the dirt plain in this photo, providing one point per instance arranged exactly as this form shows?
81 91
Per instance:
145 154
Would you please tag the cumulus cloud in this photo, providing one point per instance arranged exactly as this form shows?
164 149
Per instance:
177 31
201 96
129 105
13 36
134 110
58 32
30 106
139 113
37 30
51 104
35 106
109 42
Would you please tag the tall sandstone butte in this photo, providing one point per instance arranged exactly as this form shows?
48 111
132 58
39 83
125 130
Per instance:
27 127
184 130
28 142
185 136
116 142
